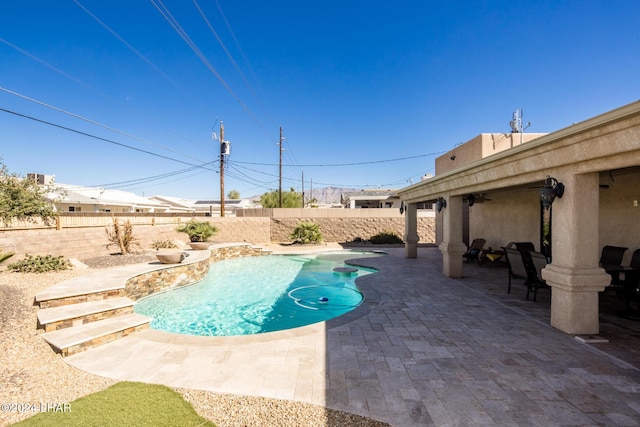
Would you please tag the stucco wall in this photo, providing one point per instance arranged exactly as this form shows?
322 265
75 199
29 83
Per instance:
483 145
510 216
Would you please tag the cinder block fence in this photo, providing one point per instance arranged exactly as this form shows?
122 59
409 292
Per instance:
83 235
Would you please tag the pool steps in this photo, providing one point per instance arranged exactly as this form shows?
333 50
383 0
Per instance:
92 310
66 316
72 340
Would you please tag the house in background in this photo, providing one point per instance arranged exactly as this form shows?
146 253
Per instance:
75 198
208 207
212 207
177 204
364 199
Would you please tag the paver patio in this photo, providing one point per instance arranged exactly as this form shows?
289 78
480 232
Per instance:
421 350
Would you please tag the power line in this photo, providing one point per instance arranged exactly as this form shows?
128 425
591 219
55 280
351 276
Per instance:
57 70
233 62
244 57
254 180
132 49
95 137
173 180
347 164
92 121
154 177
166 14
80 82
123 41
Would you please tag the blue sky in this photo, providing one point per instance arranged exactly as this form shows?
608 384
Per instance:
354 85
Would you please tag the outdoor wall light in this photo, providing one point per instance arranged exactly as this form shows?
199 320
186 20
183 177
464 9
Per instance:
552 189
440 203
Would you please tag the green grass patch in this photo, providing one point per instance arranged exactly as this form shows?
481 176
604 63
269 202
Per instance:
124 404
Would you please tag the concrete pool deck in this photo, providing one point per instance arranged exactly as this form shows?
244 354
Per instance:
421 350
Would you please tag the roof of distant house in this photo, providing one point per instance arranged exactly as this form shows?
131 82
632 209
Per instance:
370 194
100 196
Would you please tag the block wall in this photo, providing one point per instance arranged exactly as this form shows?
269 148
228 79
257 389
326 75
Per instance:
87 242
347 229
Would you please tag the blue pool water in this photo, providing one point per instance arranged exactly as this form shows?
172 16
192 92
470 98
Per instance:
258 294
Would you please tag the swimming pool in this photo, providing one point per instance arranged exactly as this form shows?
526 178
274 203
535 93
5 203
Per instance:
254 295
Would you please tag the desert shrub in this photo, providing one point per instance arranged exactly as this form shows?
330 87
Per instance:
306 232
5 256
163 244
198 231
40 264
386 237
121 235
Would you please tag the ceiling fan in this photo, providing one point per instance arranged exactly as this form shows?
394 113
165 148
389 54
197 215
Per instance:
472 199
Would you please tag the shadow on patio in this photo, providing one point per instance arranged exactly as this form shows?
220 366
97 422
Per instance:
622 333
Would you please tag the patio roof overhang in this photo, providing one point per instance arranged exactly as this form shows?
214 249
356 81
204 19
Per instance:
606 142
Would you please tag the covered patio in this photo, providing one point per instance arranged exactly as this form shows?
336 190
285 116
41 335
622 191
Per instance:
597 161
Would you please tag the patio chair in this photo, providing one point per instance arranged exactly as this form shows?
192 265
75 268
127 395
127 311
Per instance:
630 285
522 246
514 264
610 258
612 255
534 262
473 251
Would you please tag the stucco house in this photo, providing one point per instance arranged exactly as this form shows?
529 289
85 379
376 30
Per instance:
177 204
76 198
598 163
208 207
364 199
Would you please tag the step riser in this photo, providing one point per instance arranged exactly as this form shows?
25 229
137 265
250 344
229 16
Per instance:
98 296
94 317
101 340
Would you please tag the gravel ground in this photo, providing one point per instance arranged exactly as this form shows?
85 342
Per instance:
30 372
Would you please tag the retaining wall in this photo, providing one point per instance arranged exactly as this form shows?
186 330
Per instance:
175 275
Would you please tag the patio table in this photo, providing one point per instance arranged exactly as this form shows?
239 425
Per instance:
491 256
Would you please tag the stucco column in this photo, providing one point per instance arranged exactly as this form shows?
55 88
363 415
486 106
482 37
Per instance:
574 274
452 246
411 237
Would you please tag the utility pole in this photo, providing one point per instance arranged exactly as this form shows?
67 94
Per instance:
223 151
280 174
303 189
